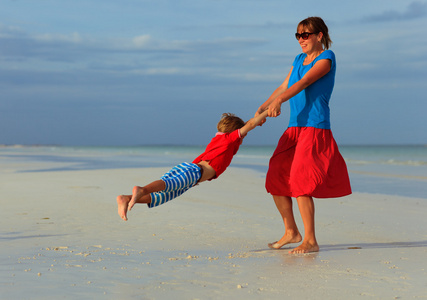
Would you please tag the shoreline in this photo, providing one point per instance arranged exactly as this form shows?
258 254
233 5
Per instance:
376 171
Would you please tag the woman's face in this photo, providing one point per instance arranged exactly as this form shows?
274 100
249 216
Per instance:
311 44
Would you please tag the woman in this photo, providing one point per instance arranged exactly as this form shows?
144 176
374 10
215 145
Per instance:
306 162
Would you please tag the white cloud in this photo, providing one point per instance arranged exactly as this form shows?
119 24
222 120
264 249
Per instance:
52 38
414 10
253 77
157 71
142 40
8 31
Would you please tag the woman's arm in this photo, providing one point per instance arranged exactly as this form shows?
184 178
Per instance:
320 69
280 90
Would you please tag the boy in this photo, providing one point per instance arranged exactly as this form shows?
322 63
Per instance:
207 166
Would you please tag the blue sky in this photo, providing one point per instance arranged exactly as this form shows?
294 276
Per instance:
163 71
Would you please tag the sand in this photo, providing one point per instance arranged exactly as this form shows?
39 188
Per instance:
61 237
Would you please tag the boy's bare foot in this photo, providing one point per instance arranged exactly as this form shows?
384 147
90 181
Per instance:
122 204
305 247
288 238
137 193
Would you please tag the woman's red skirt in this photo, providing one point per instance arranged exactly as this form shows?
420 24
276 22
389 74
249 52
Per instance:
307 162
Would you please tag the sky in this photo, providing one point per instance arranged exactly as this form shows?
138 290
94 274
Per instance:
144 72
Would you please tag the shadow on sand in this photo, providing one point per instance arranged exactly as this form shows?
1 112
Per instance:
356 246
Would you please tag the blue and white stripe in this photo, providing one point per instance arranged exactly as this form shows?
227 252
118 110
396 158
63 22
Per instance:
178 180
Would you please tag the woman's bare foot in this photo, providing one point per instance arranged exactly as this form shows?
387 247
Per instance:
288 238
122 204
137 193
305 247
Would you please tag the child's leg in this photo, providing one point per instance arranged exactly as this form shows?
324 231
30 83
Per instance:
179 178
142 194
164 197
122 204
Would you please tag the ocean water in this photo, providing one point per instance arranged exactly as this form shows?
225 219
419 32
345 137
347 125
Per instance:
395 170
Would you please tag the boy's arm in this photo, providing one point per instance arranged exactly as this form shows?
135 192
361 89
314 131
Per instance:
252 123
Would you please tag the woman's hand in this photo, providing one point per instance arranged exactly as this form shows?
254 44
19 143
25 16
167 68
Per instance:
274 109
260 111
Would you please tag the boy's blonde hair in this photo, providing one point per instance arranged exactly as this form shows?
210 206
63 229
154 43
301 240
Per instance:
229 122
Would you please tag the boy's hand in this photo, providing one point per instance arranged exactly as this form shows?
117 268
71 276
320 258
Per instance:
263 121
254 122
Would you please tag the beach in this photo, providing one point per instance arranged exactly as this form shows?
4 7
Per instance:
61 237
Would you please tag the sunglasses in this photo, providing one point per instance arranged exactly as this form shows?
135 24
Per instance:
304 35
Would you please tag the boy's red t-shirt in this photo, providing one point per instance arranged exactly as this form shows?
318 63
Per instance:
220 151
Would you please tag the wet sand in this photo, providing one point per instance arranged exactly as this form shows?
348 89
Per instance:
61 237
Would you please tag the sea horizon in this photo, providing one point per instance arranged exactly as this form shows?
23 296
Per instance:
201 145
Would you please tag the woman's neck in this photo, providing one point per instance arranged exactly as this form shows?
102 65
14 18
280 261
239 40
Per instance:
312 55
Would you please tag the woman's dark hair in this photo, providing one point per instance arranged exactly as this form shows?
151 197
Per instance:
316 25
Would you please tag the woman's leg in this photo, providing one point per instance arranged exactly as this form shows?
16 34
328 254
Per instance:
292 235
309 244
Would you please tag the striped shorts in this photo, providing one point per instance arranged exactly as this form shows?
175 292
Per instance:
178 180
